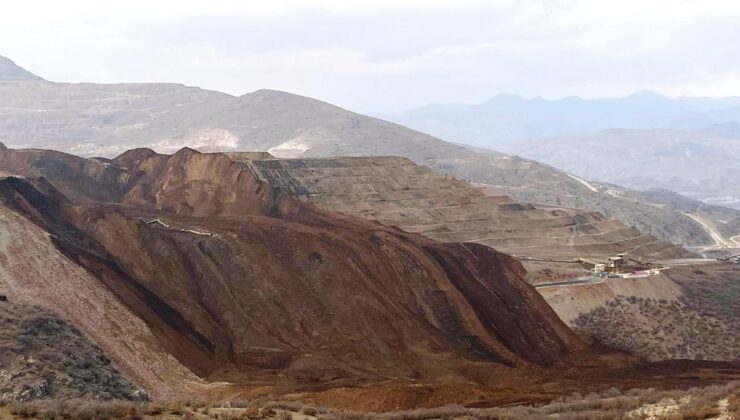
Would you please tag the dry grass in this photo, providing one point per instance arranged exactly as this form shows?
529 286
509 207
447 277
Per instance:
691 328
694 403
610 404
77 409
703 323
91 409
733 405
44 357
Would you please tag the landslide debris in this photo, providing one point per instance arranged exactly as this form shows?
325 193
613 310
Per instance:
246 284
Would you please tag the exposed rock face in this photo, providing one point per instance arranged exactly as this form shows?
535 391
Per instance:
241 282
494 301
82 180
197 184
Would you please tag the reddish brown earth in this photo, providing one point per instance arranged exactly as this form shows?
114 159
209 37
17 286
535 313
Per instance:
240 283
278 286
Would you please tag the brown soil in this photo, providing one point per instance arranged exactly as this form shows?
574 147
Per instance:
257 292
244 284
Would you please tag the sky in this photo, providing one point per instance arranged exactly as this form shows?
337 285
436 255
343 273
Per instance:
385 56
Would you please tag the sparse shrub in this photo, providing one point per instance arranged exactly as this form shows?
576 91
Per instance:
309 411
77 409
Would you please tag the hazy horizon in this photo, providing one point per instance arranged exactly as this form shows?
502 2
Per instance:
388 57
488 98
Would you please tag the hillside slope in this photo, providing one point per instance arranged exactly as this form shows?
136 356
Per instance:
193 236
397 192
46 357
685 313
702 166
105 120
392 190
530 181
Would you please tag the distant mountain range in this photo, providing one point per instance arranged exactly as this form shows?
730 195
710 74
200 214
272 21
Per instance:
702 166
507 118
641 141
106 119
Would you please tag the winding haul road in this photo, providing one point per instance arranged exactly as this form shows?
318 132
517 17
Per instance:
719 240
584 182
736 240
579 281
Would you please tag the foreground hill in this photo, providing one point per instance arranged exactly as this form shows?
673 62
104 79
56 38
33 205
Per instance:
185 241
197 278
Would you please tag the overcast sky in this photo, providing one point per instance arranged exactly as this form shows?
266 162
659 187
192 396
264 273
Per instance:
385 56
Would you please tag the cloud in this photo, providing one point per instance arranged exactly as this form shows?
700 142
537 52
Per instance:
385 56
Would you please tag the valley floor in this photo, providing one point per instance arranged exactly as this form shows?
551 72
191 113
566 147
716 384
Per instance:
717 402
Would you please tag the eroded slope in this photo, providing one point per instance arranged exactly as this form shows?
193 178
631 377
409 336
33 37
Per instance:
240 282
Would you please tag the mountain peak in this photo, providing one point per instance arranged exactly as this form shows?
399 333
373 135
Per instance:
274 95
11 72
647 93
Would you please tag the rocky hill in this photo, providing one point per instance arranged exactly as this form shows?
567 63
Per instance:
196 278
392 190
204 271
